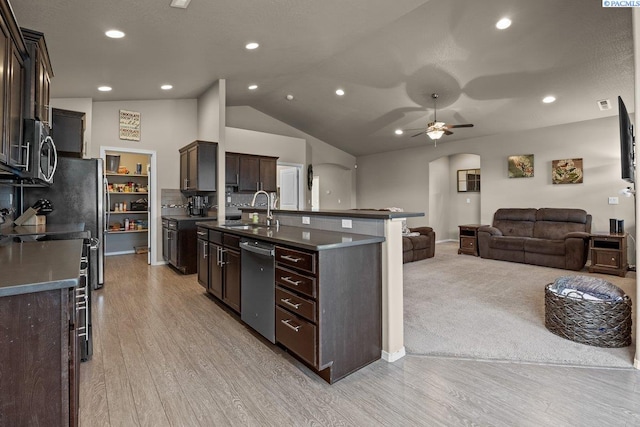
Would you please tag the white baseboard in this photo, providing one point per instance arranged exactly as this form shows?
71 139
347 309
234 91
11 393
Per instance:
447 241
392 357
120 253
636 363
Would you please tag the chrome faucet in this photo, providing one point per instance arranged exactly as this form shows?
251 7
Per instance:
253 204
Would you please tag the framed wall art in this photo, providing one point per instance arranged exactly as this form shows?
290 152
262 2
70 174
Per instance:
129 125
520 166
566 171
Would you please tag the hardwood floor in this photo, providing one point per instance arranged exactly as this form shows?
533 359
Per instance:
166 354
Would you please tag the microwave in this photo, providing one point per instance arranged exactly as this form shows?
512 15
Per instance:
42 157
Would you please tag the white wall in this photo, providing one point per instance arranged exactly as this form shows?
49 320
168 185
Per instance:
439 185
317 151
166 125
461 212
400 177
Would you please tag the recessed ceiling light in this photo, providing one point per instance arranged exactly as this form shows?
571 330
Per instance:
503 24
180 4
253 87
166 87
399 131
114 34
104 88
339 92
289 97
252 45
549 99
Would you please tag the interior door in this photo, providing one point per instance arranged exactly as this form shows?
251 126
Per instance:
289 188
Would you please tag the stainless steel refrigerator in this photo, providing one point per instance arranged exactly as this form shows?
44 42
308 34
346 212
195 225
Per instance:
77 195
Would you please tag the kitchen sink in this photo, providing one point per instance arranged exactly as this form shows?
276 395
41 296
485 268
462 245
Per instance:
244 226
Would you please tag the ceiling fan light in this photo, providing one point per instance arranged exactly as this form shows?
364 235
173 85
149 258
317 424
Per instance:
435 134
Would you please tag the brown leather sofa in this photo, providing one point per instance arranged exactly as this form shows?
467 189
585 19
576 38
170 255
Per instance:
550 237
415 248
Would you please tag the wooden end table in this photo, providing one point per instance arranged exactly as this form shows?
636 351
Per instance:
608 253
469 239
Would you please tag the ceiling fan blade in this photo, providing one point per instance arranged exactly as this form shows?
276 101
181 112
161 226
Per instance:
409 130
417 134
448 132
468 125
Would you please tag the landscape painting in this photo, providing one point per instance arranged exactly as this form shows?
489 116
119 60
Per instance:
566 171
521 166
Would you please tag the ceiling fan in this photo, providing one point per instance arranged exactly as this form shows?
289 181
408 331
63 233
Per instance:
436 129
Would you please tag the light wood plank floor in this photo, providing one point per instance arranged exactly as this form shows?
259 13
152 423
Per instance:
166 354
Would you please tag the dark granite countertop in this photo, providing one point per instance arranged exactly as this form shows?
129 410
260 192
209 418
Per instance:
46 229
189 218
39 266
352 213
305 238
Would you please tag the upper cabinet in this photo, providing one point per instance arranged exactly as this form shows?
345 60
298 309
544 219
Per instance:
198 166
13 55
68 132
251 173
38 77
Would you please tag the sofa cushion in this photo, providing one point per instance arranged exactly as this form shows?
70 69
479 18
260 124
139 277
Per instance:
407 244
555 230
515 222
562 215
419 242
553 223
544 246
510 243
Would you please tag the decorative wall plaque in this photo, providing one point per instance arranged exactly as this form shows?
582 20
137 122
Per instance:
129 125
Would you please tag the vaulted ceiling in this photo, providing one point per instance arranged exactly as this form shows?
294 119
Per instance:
387 56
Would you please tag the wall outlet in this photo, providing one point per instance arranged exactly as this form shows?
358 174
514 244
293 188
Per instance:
468 200
346 223
306 220
613 200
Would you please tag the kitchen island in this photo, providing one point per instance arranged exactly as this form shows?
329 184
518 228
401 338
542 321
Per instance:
323 289
39 338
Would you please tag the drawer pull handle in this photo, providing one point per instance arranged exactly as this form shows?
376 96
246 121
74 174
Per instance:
201 233
290 258
287 322
290 304
292 282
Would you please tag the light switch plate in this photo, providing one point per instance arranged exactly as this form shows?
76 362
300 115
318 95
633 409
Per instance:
613 200
346 223
306 220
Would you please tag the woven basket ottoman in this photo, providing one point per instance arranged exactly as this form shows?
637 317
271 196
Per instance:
604 322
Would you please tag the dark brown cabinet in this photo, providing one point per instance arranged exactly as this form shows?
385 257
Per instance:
179 246
198 166
609 254
203 257
232 169
253 172
328 307
224 268
68 132
38 77
39 353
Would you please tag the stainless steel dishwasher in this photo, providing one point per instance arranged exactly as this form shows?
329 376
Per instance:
257 294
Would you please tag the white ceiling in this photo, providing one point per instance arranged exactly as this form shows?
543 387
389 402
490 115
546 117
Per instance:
388 56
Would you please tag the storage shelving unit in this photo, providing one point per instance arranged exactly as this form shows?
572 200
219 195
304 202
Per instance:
121 241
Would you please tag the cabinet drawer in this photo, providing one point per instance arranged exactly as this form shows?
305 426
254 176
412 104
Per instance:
295 281
467 242
297 259
296 304
606 258
231 241
297 335
172 225
202 233
215 236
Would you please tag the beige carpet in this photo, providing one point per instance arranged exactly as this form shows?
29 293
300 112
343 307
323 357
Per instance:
464 306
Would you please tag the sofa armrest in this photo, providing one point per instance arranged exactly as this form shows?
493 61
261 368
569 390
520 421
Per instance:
422 230
491 230
577 234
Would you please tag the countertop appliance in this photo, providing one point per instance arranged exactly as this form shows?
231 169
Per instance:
257 291
77 196
198 205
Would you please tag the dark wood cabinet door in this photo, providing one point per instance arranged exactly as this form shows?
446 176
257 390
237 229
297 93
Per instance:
184 170
192 169
268 166
249 173
232 169
165 243
203 261
42 90
68 132
17 156
215 270
4 52
231 294
173 247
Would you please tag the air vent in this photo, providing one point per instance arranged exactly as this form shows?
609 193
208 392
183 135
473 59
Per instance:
604 104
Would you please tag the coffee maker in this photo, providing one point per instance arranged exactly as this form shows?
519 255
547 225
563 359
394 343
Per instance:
198 205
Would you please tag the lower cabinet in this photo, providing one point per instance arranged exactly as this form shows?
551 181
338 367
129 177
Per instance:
224 268
41 389
180 245
328 307
203 257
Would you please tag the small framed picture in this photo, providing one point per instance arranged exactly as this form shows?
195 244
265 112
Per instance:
520 166
566 171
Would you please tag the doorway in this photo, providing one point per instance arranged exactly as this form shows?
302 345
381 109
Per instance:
290 186
131 216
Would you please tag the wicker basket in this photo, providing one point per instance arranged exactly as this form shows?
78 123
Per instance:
597 323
